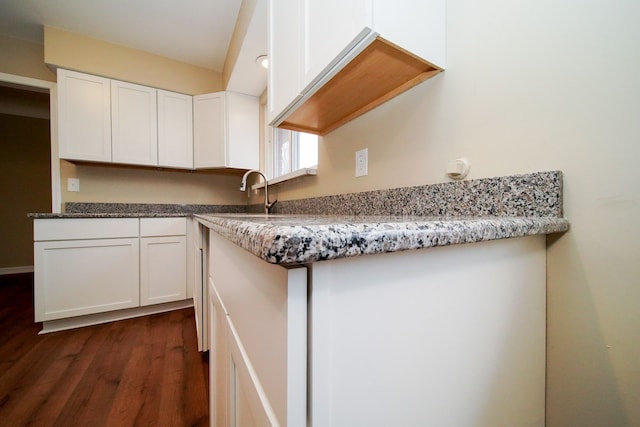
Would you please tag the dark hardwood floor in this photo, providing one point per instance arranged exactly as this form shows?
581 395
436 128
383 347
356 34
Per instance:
137 372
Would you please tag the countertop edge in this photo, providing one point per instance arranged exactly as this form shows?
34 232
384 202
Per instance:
109 215
286 245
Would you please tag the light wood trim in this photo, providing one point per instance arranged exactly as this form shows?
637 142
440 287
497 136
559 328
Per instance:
379 73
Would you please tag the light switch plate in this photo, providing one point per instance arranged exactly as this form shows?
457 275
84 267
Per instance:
73 184
362 162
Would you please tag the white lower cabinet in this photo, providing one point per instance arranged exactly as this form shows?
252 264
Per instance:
449 336
163 260
86 267
163 269
78 277
258 341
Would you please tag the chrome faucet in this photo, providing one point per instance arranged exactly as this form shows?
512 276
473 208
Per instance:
243 187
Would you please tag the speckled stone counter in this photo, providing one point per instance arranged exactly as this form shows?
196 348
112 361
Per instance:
136 210
294 239
344 225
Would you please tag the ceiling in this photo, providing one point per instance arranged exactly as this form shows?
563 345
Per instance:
196 32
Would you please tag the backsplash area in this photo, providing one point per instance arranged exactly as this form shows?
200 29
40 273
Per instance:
150 208
530 195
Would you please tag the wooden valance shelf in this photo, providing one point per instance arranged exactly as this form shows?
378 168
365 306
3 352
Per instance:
380 72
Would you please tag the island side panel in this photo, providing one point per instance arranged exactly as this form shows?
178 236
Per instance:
443 336
266 306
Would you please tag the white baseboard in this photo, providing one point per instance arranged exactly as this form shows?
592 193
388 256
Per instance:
111 316
16 270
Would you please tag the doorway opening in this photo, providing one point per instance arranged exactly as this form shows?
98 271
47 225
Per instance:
25 167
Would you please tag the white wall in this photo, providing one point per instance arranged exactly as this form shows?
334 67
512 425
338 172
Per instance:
533 86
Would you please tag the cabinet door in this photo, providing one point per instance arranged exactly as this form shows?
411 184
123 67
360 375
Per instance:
163 269
209 131
134 124
78 277
175 130
235 397
285 55
330 28
248 406
243 136
218 360
84 116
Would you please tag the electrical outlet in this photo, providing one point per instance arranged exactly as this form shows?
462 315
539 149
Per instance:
73 184
362 162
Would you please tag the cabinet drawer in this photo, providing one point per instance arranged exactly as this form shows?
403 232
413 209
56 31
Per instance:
163 227
84 228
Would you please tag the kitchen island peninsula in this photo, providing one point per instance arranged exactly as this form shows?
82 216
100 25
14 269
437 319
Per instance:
441 323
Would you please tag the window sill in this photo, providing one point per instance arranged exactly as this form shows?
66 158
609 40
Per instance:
288 177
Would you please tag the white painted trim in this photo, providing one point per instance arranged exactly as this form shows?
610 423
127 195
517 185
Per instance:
297 347
26 81
288 177
16 270
56 192
111 316
51 87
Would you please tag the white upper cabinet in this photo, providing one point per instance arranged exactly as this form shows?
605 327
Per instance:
226 131
323 48
84 116
134 124
348 57
243 131
285 55
175 130
209 130
104 120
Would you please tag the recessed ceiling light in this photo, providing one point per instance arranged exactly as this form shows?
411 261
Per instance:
263 61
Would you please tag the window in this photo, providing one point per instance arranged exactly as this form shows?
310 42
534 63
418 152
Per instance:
291 151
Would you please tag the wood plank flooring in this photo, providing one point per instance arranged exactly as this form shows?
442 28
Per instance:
137 372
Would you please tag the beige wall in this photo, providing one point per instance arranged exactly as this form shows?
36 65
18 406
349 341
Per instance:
80 53
25 185
114 184
24 58
533 86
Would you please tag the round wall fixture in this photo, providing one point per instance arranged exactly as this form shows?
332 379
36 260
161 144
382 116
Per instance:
458 169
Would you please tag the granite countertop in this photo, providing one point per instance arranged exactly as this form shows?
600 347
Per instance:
344 225
136 210
299 239
108 215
